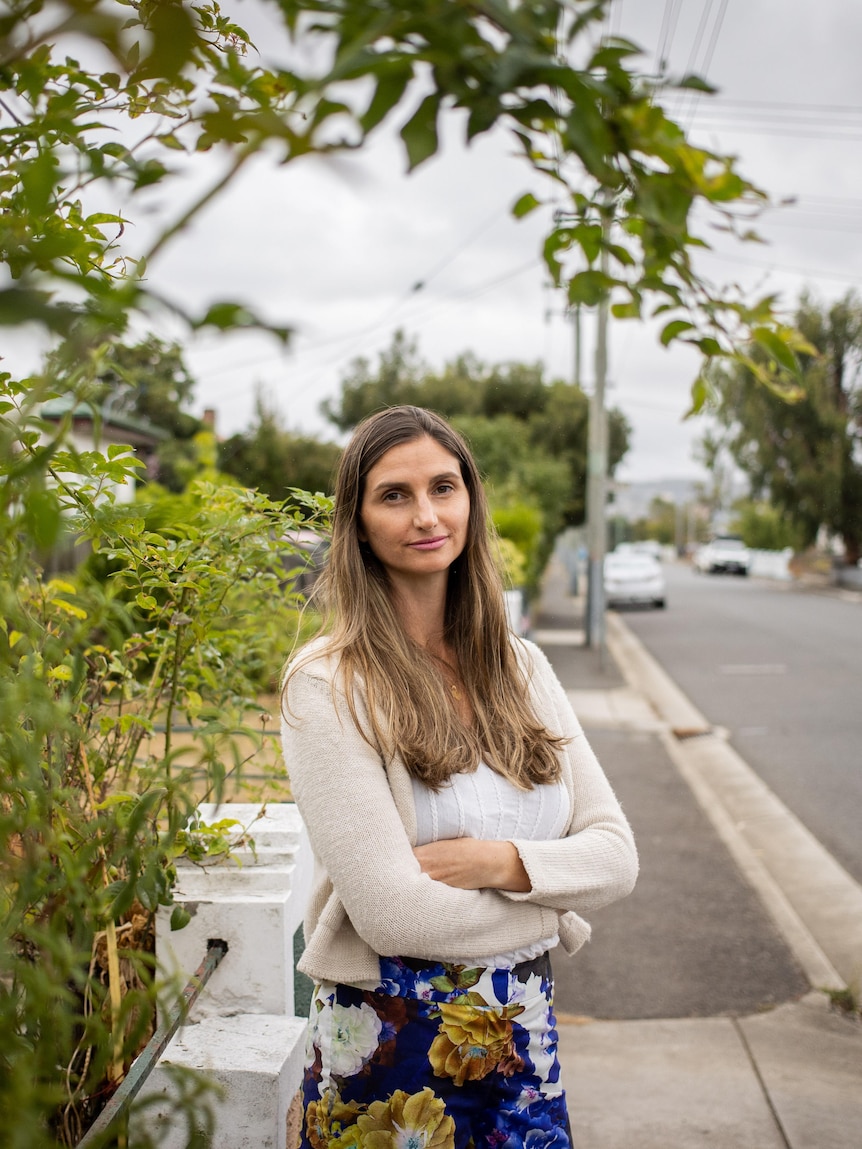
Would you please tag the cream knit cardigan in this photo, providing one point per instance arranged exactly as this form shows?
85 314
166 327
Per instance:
370 896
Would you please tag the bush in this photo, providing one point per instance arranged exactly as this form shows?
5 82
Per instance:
764 527
97 779
526 528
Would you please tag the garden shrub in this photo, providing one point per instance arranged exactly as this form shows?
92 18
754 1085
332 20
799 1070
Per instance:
187 624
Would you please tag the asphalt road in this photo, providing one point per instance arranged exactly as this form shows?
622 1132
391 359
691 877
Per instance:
781 669
693 939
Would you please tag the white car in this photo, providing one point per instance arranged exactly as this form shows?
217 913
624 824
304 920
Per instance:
725 554
632 578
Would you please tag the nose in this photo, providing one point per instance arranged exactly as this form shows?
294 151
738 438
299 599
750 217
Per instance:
425 516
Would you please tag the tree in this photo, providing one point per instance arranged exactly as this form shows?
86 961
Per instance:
764 527
272 459
660 524
399 374
148 380
158 385
559 429
179 82
511 415
805 456
529 436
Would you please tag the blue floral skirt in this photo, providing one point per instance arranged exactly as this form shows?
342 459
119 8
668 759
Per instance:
436 1057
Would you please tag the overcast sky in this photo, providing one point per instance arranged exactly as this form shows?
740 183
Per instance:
336 248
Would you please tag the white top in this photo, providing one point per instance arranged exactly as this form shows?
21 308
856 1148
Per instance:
486 805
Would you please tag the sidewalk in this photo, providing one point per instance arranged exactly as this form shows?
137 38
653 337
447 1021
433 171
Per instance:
696 1017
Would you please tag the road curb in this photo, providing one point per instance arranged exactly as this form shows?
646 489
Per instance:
813 901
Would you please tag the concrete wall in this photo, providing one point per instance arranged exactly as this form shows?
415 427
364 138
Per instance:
241 1035
771 564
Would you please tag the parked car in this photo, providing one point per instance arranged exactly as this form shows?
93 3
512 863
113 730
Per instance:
725 554
631 578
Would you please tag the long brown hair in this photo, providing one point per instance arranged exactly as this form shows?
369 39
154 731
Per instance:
408 703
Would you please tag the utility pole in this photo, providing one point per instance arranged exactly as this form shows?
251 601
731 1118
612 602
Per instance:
597 482
576 323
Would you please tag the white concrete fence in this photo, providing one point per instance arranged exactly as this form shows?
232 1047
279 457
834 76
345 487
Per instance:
242 1033
771 564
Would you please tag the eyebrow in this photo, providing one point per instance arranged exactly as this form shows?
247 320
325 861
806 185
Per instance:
384 483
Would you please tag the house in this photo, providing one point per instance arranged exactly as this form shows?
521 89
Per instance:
95 427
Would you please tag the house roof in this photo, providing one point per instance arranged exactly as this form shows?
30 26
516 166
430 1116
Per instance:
139 431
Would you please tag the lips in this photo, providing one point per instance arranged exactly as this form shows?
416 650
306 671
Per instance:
429 544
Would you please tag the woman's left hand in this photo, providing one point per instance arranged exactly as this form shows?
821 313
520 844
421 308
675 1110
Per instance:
474 864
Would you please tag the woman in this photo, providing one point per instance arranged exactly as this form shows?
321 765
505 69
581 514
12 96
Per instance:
459 821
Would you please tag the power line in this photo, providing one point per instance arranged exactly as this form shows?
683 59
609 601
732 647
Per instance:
333 362
831 201
617 13
771 130
698 36
707 59
716 32
387 316
772 266
666 34
813 225
469 293
783 104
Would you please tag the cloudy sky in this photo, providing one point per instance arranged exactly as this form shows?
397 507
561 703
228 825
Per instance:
336 249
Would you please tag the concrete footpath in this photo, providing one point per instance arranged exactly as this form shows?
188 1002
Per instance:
703 1012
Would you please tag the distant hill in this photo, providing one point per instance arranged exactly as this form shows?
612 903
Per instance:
632 500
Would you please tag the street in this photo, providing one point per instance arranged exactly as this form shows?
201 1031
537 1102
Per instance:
781 670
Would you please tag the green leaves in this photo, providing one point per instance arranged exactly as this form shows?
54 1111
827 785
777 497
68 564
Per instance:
597 132
589 287
785 406
524 205
180 917
98 784
227 316
42 517
174 38
777 347
420 132
391 83
38 177
673 330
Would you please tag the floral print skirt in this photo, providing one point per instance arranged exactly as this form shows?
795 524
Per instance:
436 1057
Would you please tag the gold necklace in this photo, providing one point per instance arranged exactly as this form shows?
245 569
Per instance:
449 671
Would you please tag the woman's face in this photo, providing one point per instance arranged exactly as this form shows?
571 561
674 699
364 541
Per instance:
415 510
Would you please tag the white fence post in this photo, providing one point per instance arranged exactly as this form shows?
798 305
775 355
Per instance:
242 1033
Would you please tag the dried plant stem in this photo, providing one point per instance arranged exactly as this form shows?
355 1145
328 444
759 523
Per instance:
116 1070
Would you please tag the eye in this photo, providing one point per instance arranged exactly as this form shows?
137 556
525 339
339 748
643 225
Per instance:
445 488
391 496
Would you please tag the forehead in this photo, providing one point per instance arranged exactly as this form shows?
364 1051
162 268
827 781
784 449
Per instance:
420 458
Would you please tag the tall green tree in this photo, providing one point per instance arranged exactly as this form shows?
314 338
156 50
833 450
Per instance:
175 80
398 378
559 428
274 460
529 436
764 527
148 380
805 456
152 382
